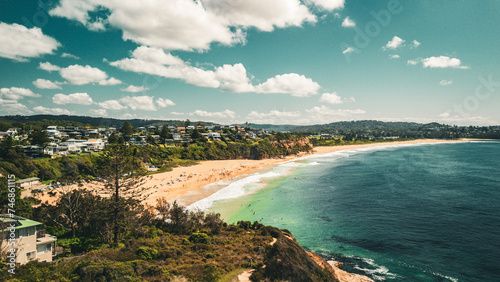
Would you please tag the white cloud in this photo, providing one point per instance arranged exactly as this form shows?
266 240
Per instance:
445 82
231 78
444 115
413 62
291 83
16 93
12 107
67 55
416 43
99 112
395 56
331 98
348 22
443 62
49 67
226 114
324 114
394 43
51 111
262 14
134 89
163 103
18 42
80 75
46 84
75 98
348 50
111 105
274 117
110 81
144 103
329 5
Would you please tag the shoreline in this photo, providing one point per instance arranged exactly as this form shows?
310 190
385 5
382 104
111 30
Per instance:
190 184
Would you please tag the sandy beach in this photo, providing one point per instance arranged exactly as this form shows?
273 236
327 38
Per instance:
188 184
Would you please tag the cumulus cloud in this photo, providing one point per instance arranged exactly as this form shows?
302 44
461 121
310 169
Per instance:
12 107
49 67
395 56
329 5
99 112
262 14
443 62
51 111
75 98
413 62
134 89
111 105
80 75
445 82
144 103
348 22
291 83
17 93
324 114
274 116
163 103
18 42
46 84
231 78
190 25
396 42
331 98
416 43
226 114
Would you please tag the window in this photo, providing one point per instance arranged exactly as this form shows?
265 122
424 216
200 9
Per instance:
44 248
31 255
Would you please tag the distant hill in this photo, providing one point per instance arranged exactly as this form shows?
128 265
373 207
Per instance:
98 121
272 127
357 125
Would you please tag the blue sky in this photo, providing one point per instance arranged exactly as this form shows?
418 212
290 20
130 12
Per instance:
229 61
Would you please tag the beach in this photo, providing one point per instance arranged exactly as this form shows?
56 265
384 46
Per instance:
187 185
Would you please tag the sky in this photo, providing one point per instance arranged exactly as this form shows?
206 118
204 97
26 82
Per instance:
258 61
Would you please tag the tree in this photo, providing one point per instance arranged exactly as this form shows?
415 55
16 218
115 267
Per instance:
165 134
197 137
127 130
187 123
120 171
40 138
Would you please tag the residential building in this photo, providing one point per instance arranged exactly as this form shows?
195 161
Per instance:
32 242
27 182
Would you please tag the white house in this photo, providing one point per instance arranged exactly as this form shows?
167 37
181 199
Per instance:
12 131
74 145
53 131
94 144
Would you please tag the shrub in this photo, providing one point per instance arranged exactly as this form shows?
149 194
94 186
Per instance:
201 238
146 253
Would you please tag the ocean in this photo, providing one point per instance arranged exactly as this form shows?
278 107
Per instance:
396 213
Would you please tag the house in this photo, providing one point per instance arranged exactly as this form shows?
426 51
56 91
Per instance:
152 128
33 151
53 131
74 145
94 144
214 135
12 131
181 129
199 127
32 242
27 182
171 127
141 129
191 127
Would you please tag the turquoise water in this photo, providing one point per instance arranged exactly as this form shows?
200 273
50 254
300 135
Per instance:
401 213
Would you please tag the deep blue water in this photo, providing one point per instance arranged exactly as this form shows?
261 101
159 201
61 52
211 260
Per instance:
416 213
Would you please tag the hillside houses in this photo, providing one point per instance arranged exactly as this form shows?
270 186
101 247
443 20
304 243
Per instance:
65 140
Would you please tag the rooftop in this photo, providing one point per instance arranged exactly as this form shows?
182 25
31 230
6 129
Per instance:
20 222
